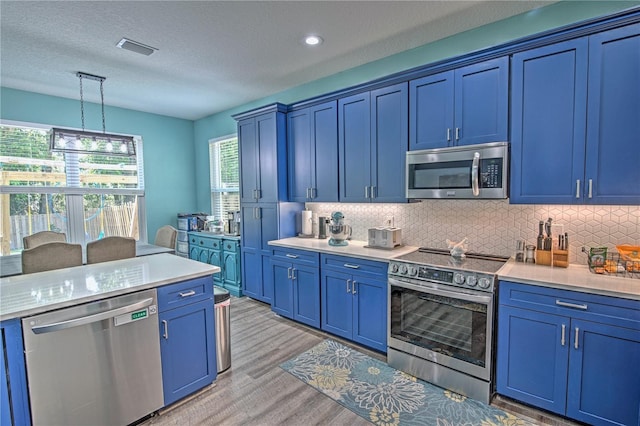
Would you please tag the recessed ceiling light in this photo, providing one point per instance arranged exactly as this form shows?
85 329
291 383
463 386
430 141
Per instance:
313 40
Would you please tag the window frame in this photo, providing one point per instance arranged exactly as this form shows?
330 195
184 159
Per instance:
213 190
74 195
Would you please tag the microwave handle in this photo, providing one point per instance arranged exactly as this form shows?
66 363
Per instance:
475 185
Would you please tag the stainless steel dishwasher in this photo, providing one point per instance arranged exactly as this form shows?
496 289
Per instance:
95 364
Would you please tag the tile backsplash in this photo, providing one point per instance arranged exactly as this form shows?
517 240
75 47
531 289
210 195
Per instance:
493 226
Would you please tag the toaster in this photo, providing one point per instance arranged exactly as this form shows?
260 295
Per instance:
384 237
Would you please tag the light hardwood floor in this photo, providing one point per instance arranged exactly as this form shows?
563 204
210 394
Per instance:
256 391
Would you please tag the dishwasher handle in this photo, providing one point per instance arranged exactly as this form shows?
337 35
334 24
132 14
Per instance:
56 326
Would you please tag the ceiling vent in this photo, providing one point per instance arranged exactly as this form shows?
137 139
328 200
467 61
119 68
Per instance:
134 46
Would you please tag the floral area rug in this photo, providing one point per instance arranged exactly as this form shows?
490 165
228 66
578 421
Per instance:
386 396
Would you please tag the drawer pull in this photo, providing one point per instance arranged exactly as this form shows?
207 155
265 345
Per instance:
562 338
349 265
292 256
571 305
188 293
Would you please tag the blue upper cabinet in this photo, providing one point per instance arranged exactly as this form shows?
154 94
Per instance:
313 153
263 155
372 145
613 118
575 109
465 106
548 109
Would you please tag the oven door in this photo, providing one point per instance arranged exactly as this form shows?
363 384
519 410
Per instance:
450 327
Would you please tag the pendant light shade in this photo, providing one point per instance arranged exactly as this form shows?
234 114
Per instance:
83 142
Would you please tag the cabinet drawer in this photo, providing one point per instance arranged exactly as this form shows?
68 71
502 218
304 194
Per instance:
183 236
184 293
352 265
592 307
205 241
230 245
296 256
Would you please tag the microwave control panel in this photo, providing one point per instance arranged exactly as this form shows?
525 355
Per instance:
491 173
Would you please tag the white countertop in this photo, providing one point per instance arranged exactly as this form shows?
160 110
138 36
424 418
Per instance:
575 277
29 294
354 249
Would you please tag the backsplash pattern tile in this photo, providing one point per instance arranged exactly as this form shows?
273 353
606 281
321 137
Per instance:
493 226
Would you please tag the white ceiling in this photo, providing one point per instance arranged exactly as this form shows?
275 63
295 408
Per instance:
214 55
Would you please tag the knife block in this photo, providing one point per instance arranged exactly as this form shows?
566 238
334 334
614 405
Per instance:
543 257
561 258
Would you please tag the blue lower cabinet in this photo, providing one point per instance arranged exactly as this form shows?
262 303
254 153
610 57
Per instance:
571 353
354 300
187 338
296 285
14 402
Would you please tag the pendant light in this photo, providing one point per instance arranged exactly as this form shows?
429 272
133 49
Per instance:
83 142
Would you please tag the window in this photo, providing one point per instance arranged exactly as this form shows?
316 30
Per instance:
86 196
225 176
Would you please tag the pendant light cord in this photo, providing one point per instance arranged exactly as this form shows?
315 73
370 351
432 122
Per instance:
81 102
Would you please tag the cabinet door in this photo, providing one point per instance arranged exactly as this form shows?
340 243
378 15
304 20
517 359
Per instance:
230 264
431 111
194 252
282 302
299 147
604 378
613 152
370 312
389 134
268 146
482 102
14 408
248 145
324 149
215 259
337 304
187 344
252 272
203 255
532 360
306 290
548 119
355 148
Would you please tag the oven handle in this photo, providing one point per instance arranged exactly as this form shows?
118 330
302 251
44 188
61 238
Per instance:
458 293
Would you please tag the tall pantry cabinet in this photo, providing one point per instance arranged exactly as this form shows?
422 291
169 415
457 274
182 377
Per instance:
265 213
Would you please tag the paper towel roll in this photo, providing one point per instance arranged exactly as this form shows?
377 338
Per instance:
307 226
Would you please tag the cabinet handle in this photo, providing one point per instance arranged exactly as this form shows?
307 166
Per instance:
590 188
457 133
289 273
563 335
292 256
308 193
575 345
348 286
255 194
293 274
165 326
448 135
373 191
349 265
259 191
577 188
314 193
571 305
366 192
187 294
353 287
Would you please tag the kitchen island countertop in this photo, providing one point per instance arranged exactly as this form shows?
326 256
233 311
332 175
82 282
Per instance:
353 249
30 294
575 277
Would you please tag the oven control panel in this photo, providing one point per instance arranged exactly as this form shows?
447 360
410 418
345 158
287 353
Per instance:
457 278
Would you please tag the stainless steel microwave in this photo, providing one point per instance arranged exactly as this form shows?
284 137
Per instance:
467 172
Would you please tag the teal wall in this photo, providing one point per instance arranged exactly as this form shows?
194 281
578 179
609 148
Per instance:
168 146
539 20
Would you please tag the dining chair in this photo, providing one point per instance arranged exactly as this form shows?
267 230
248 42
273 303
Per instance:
49 256
166 237
110 248
43 237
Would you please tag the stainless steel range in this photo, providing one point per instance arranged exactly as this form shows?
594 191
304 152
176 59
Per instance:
441 316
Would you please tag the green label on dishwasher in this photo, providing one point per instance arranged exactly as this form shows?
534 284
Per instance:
138 315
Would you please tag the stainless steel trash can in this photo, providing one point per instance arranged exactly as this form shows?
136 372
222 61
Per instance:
222 308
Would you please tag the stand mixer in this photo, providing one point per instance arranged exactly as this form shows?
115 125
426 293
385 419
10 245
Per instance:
337 230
